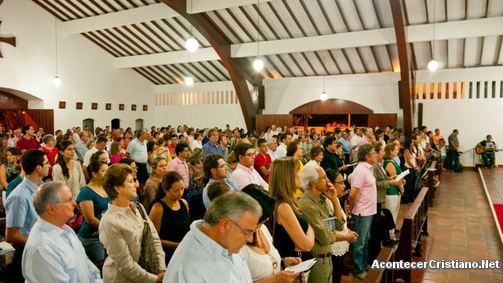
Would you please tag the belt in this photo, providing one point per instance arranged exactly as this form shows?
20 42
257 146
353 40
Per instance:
329 254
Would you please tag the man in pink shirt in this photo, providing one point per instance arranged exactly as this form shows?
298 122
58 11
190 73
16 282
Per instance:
179 164
363 205
245 174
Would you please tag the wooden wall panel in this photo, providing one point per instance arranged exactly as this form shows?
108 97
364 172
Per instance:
382 120
331 106
41 118
264 121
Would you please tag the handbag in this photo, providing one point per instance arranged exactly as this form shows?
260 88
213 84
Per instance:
148 255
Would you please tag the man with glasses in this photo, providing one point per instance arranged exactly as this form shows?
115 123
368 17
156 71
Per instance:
215 169
53 252
212 145
210 251
245 174
20 212
28 140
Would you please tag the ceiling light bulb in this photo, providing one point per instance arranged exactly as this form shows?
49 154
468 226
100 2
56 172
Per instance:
433 65
56 81
189 81
258 65
191 45
323 96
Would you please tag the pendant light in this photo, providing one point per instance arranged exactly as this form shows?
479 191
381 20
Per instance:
258 64
323 95
191 44
433 65
56 80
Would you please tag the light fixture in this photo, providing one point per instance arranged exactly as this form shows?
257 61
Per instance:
258 64
188 81
433 65
323 95
191 45
56 80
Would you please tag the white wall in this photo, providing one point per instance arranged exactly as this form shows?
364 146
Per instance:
378 92
86 71
199 114
474 118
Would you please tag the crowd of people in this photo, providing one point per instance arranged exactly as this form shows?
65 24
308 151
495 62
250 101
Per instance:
205 205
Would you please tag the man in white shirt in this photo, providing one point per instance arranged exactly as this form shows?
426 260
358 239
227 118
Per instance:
53 252
245 174
210 250
137 150
99 145
272 147
284 140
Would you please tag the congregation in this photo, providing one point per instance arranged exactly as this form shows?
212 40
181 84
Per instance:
206 205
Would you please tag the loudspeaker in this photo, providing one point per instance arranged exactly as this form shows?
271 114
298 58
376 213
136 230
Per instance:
261 97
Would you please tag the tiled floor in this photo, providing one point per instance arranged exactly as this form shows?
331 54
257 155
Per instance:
461 227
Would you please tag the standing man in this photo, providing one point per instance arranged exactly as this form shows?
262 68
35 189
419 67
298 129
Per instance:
21 214
99 145
313 204
212 145
53 251
215 169
179 164
263 160
28 140
363 205
210 251
284 140
81 145
245 174
453 152
137 150
272 147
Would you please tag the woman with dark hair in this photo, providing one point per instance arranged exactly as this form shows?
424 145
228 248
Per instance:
93 202
151 188
121 231
170 213
262 258
409 162
67 169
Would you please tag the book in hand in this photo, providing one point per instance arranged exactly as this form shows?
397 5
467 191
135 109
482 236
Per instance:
302 267
402 175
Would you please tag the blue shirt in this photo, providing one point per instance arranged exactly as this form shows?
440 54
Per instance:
138 151
19 207
13 184
209 148
54 254
346 146
199 258
227 181
100 205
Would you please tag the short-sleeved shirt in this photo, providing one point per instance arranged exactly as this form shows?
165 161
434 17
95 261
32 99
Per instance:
19 207
260 161
209 148
180 166
366 200
453 141
227 181
13 184
138 151
243 176
100 205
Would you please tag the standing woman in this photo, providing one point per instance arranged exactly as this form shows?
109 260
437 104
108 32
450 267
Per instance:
121 231
170 213
93 202
159 169
291 231
67 169
50 150
409 155
392 201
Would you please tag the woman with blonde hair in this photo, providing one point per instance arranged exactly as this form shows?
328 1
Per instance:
121 230
291 231
159 169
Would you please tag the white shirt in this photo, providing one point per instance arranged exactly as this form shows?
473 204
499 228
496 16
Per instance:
355 140
272 154
261 265
199 258
243 176
54 254
281 150
138 151
89 153
196 144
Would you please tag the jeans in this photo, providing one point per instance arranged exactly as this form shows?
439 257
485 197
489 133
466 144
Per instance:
360 246
488 158
94 249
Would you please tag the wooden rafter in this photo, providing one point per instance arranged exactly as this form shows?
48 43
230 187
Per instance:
234 67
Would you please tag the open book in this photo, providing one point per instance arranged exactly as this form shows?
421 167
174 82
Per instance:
302 267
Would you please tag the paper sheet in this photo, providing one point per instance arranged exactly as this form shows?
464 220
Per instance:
403 174
301 267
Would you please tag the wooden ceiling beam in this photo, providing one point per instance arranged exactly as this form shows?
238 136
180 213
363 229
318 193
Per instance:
405 74
237 71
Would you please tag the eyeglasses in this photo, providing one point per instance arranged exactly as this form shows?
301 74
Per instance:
70 200
246 233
